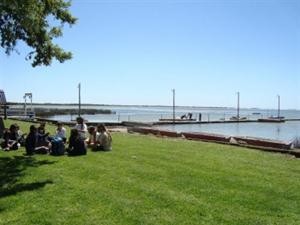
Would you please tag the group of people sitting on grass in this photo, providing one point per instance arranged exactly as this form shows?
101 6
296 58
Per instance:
39 141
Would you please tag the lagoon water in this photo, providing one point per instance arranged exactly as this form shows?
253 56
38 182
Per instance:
278 131
287 131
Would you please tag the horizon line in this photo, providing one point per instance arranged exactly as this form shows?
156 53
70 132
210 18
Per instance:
142 105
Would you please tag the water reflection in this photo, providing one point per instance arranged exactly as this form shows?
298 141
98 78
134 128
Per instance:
278 131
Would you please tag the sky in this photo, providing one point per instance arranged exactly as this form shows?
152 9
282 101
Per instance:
136 52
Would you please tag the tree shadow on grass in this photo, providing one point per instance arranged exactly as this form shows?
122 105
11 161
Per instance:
13 168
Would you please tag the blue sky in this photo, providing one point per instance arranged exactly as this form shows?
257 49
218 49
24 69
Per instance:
135 52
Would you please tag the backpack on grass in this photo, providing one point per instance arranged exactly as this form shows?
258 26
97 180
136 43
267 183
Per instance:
58 147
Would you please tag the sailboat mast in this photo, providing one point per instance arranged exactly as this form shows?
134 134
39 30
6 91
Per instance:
238 105
173 90
278 112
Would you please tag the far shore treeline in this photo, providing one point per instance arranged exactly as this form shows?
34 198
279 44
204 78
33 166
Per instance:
44 112
48 109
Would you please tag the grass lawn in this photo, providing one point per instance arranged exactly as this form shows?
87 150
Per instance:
149 180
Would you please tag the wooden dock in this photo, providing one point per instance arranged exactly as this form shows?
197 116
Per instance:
202 122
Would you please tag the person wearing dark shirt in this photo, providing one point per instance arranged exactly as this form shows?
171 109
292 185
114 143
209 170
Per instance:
31 140
43 142
76 144
10 139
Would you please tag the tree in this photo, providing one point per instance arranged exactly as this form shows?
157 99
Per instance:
37 23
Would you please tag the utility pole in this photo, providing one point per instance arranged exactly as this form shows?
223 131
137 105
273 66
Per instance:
173 90
79 100
238 105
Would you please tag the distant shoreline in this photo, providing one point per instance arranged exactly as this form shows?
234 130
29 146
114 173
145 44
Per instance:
93 104
119 105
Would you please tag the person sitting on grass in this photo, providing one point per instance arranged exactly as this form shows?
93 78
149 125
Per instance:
61 132
20 135
43 144
41 131
10 139
81 127
31 140
76 144
103 139
90 141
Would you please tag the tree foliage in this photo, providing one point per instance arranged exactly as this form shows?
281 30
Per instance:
37 23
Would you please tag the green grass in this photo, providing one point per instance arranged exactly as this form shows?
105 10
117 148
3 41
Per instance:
149 180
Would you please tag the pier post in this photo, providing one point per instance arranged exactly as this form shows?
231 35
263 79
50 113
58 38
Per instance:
200 117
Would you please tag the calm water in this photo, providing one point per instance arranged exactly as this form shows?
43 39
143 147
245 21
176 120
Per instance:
152 113
283 131
278 131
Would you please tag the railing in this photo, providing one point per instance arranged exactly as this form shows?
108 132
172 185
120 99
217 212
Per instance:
20 113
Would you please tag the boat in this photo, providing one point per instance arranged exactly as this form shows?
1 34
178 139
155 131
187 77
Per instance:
176 120
238 118
272 119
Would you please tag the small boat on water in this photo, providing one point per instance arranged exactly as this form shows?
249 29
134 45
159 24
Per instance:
238 118
176 120
256 113
272 119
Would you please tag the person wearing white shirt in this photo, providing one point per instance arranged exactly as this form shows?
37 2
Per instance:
103 139
81 127
61 132
91 140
